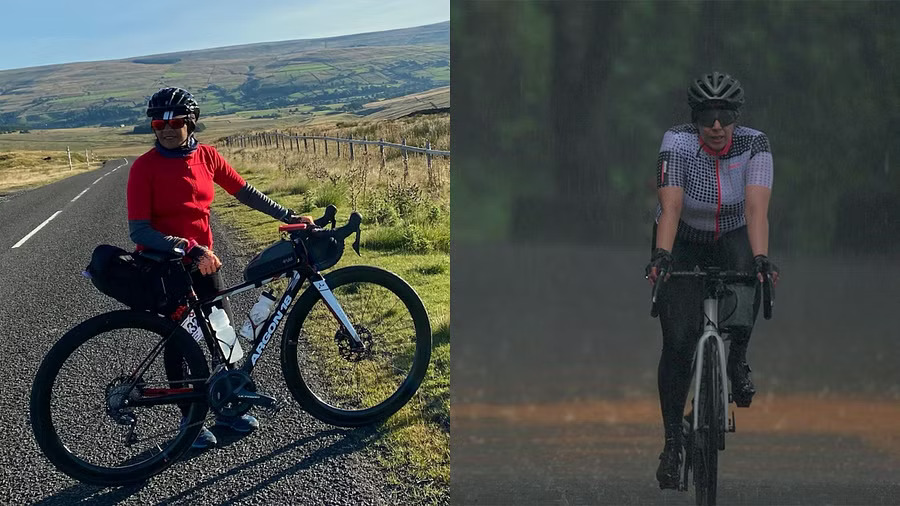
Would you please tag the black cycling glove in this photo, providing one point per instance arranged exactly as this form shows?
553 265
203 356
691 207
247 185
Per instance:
661 259
765 266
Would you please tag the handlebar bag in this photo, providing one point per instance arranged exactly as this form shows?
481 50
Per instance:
737 308
324 251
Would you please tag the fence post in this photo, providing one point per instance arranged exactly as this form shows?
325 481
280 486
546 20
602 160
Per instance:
405 162
69 154
339 149
326 145
366 144
351 147
381 148
431 180
305 146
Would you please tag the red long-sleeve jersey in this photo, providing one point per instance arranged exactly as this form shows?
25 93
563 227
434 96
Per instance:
175 193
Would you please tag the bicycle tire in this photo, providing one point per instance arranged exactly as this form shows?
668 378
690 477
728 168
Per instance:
706 441
42 399
299 381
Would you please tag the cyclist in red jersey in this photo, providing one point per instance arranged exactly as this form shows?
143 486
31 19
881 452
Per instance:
714 181
170 190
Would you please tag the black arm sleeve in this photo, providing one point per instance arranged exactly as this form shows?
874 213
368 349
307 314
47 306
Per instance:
253 198
142 233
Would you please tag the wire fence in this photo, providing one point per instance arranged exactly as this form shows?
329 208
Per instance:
279 140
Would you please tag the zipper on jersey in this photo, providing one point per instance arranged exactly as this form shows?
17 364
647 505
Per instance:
718 198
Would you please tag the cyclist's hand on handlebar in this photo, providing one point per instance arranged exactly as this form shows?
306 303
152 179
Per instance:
660 260
293 218
207 262
765 266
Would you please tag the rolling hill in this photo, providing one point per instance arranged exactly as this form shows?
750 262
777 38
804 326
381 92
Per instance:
314 75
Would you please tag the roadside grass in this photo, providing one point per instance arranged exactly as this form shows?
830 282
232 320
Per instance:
22 170
406 230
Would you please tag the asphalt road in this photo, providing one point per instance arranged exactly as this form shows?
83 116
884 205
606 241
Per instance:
292 459
554 396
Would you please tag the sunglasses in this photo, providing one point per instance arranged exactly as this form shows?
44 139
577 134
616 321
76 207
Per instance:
708 117
160 124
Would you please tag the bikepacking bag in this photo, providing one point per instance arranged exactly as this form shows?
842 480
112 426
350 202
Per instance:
138 282
736 307
323 251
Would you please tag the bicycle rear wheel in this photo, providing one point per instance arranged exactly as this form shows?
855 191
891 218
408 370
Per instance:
344 386
706 440
83 410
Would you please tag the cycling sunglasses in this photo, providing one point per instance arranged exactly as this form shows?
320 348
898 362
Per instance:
160 124
708 117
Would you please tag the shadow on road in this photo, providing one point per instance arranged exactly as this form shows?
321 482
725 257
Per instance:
351 440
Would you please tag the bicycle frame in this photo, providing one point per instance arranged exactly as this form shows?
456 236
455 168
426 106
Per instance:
270 326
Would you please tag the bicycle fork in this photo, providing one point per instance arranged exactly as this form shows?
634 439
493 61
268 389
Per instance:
710 331
332 304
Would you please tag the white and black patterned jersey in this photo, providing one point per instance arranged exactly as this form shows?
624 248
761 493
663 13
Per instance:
714 183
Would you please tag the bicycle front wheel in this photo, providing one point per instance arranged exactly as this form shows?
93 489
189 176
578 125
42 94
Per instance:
340 383
709 434
86 401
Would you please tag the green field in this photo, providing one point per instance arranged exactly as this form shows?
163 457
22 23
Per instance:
251 77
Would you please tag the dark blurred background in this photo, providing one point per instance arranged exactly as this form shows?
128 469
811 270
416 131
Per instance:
560 108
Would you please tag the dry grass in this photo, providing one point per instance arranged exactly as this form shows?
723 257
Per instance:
30 169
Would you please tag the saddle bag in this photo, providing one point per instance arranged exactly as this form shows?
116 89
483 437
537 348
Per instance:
138 282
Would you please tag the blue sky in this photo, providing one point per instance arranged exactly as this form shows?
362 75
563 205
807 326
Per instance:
63 31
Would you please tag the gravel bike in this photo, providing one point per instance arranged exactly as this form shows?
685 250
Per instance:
708 421
355 349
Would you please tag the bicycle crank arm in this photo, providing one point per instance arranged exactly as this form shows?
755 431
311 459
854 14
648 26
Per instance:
256 399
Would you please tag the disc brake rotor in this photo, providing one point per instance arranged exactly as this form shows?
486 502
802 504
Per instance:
349 349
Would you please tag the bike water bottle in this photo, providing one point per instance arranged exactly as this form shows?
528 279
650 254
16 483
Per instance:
258 315
218 318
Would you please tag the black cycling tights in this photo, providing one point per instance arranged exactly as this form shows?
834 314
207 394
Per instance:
681 317
203 286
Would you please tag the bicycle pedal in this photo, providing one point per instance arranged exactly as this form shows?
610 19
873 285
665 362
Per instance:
273 409
732 426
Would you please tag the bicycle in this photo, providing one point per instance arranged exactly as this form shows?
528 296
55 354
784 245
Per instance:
708 421
355 349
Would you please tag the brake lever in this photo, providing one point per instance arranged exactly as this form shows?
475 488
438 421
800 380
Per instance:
328 217
355 221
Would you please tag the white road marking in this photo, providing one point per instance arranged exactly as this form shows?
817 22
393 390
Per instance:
82 193
22 241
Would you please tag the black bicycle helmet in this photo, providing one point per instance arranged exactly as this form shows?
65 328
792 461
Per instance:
715 88
172 100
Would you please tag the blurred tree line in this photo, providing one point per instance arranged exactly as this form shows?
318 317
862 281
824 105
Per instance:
560 108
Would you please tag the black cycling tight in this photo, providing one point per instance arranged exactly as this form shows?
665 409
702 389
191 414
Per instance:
203 286
681 317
